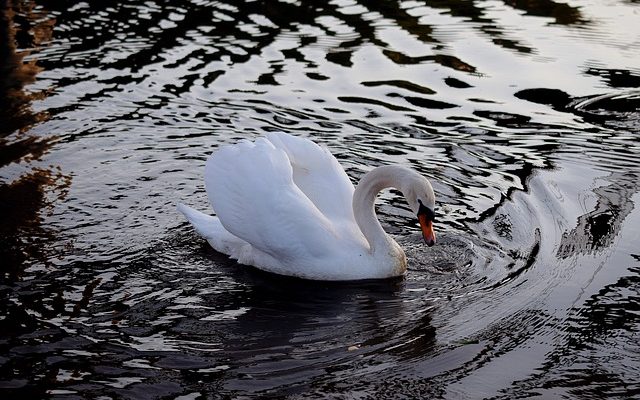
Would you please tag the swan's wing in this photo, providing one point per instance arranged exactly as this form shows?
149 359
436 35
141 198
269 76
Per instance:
211 229
318 174
220 239
251 188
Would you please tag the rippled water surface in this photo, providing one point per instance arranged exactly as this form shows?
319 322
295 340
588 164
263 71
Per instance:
524 114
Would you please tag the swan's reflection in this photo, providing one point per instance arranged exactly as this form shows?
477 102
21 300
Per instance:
294 331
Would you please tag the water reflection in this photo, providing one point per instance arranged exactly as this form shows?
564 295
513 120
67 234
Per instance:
23 200
244 31
19 31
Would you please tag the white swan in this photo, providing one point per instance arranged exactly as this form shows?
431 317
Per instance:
285 205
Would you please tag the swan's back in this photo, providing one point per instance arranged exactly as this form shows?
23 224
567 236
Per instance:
318 175
283 197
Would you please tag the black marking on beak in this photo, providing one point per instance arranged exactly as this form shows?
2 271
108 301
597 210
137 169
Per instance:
426 211
426 217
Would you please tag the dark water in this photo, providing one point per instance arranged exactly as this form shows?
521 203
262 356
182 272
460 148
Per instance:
525 115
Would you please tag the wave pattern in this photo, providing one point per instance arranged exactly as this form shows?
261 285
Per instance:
109 111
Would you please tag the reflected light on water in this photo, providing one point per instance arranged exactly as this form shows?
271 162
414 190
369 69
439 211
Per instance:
524 115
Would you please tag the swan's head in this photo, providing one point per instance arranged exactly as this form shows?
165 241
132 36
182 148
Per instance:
422 201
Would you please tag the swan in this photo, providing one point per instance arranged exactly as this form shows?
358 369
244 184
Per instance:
285 205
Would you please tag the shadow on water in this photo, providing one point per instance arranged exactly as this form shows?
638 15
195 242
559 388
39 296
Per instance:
597 229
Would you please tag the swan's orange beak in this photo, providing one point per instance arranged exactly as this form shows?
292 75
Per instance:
427 230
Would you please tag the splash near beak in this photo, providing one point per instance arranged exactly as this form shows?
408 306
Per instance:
427 230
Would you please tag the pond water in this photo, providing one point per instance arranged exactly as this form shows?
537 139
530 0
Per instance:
525 115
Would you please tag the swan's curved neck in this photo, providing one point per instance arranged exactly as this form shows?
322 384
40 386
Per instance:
364 197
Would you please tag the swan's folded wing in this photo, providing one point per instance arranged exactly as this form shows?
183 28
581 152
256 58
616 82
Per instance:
318 174
211 229
251 189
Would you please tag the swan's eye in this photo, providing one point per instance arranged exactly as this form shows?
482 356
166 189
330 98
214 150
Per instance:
426 211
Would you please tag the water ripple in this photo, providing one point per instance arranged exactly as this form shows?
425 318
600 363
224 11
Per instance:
109 112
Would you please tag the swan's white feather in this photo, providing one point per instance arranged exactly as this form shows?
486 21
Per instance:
284 205
251 188
316 172
221 240
211 229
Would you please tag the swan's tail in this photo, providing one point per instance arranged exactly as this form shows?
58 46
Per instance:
211 229
205 225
